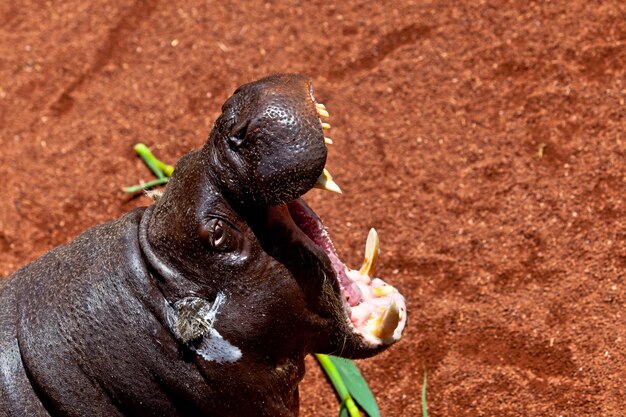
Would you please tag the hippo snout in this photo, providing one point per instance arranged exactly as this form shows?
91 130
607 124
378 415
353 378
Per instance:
268 144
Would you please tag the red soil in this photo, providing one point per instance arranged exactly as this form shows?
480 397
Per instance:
485 143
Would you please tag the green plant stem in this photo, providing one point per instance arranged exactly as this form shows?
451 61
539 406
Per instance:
339 385
159 168
149 184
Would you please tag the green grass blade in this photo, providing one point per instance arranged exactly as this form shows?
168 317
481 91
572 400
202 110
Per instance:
149 159
167 169
348 407
356 385
158 167
145 185
424 406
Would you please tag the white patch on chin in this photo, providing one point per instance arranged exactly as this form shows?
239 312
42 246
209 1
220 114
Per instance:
215 348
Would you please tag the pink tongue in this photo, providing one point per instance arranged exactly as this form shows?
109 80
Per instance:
351 291
315 230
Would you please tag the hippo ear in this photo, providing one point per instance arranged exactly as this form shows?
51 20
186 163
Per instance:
238 135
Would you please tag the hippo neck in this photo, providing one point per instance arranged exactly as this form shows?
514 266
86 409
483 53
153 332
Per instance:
172 283
99 338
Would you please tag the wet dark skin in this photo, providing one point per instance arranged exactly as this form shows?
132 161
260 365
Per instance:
111 324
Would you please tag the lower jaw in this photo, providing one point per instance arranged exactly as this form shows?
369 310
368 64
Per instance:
375 311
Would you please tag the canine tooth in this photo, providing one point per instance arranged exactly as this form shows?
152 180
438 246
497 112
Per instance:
387 323
325 182
322 112
328 141
320 106
372 250
325 126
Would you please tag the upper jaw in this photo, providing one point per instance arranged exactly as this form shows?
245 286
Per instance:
371 313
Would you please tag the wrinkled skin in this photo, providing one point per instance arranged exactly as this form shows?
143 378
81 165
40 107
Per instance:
104 325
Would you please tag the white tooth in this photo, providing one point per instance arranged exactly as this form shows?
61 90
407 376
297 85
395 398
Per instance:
325 182
322 112
372 250
325 126
328 141
387 323
320 106
383 291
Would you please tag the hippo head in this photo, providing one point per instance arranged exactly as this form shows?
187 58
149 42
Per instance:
247 268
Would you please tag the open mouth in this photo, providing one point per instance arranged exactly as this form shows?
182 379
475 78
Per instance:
375 310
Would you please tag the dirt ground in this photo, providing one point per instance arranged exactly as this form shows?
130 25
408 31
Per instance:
485 142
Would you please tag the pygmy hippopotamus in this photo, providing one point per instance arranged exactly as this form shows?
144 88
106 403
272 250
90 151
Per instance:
206 302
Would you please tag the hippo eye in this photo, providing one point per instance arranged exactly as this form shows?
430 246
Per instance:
219 235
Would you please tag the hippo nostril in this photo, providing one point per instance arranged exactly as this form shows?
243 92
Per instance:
239 135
